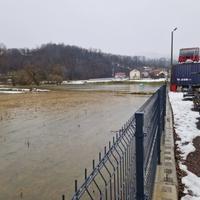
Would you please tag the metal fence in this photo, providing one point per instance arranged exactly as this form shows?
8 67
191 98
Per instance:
126 169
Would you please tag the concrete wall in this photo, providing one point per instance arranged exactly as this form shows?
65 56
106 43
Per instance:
166 184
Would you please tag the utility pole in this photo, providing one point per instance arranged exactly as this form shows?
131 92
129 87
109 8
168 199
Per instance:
172 45
172 49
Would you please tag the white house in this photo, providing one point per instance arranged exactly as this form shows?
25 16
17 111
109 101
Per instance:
135 74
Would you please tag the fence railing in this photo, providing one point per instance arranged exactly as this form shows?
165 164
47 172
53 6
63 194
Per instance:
126 169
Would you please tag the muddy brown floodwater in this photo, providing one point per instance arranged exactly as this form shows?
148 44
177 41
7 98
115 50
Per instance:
47 139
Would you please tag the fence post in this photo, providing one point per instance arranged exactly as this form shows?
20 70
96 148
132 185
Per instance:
76 188
160 119
139 144
164 105
165 98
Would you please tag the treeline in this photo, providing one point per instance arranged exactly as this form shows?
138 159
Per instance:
58 62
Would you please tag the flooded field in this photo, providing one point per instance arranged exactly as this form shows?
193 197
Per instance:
47 139
142 87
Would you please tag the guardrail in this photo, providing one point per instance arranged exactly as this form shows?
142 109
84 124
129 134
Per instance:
126 170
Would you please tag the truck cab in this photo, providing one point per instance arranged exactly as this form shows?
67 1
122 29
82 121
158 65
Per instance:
189 55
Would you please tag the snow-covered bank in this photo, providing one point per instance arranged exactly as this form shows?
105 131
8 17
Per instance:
185 126
107 80
148 80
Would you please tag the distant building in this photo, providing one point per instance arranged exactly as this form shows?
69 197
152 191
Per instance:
163 74
158 73
135 74
144 74
120 75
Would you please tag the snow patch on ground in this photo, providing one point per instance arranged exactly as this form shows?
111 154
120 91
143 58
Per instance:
149 80
107 80
4 90
185 125
11 92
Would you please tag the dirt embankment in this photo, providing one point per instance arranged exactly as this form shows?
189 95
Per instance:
192 161
180 173
178 158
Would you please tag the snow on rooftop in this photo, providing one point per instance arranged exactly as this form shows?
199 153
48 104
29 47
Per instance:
185 125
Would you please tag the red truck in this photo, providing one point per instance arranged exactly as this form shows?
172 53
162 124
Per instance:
189 54
185 73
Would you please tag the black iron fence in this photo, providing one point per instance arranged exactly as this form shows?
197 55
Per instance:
126 170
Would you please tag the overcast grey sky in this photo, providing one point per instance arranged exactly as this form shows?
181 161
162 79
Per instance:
127 27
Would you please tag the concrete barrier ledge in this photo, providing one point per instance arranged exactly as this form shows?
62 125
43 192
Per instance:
166 184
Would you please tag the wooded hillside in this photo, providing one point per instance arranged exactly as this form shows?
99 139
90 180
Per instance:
57 62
